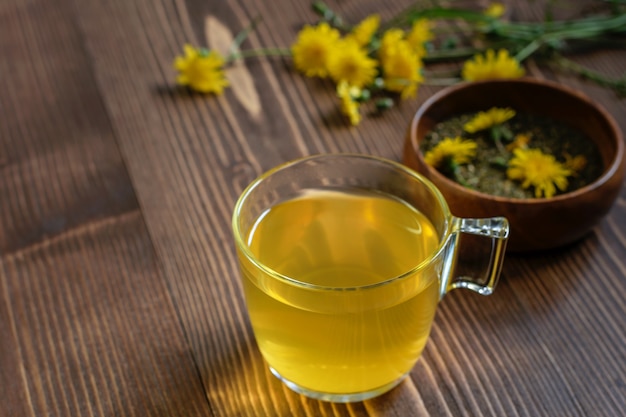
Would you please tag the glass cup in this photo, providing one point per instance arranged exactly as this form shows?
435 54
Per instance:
344 259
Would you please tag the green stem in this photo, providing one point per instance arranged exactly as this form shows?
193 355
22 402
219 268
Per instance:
329 15
249 53
554 34
458 177
528 50
241 36
451 54
408 16
565 28
235 53
399 19
618 85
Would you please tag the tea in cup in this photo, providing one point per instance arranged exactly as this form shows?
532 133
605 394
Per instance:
344 259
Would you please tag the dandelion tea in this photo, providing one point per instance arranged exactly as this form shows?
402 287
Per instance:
348 339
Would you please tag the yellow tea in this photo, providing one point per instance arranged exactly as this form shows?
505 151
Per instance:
365 317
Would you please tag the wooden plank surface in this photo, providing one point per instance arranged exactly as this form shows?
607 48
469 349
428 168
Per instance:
119 288
88 327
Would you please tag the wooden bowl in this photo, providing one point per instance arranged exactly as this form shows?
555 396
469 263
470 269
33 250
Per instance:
541 223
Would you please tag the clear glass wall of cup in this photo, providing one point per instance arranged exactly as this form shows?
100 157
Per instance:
344 259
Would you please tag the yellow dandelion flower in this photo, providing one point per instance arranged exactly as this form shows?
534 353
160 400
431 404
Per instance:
419 34
312 48
486 119
349 106
401 65
363 32
521 140
495 10
201 70
539 170
576 163
458 150
389 42
402 71
492 66
349 62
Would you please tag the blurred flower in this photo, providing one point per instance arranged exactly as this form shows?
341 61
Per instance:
420 34
389 42
402 71
455 150
312 49
542 171
400 57
363 32
576 163
486 119
495 10
492 66
350 62
349 96
521 140
201 70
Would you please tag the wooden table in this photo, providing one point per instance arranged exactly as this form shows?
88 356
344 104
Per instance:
119 286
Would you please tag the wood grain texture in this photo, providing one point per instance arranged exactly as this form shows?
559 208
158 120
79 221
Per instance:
51 121
88 326
119 287
107 339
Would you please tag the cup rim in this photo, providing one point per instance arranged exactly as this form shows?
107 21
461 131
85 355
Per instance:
245 250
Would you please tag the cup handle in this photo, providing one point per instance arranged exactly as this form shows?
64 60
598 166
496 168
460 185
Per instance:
465 266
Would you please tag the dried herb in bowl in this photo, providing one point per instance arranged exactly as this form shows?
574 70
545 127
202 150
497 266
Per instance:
506 153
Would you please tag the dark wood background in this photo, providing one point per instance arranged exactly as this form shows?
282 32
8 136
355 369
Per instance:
119 288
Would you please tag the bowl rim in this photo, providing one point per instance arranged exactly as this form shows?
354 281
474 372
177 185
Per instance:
609 170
